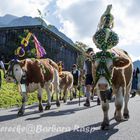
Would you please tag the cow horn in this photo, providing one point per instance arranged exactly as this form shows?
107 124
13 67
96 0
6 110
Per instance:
22 63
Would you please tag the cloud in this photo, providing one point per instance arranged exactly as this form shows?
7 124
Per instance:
82 16
78 19
62 4
133 11
22 7
85 16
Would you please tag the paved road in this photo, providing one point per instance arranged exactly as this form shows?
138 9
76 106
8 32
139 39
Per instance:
69 122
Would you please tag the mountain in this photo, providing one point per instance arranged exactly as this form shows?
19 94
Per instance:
136 64
13 21
27 21
6 19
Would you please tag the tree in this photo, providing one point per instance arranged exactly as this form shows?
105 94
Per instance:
81 58
81 46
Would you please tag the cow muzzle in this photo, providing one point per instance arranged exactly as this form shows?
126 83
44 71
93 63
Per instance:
9 79
103 84
103 87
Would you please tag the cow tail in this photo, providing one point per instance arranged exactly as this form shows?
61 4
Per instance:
56 81
71 86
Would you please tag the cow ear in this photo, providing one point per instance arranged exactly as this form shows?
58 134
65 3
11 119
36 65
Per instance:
121 62
22 63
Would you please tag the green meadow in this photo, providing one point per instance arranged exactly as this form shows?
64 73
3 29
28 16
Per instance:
9 95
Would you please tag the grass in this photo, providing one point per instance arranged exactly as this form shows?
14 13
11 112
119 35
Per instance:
9 95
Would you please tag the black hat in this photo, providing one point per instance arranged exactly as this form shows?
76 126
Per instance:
89 50
74 65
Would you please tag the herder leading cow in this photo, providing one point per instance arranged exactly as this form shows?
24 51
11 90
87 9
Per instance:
34 74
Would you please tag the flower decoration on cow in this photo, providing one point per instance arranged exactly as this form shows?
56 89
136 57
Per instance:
24 46
20 51
105 39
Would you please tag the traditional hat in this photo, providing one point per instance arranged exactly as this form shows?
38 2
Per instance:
89 50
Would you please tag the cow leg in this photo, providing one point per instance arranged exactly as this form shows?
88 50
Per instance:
126 112
56 87
60 95
48 106
71 96
40 107
71 93
75 91
65 94
52 91
52 97
105 108
126 99
57 97
118 104
22 109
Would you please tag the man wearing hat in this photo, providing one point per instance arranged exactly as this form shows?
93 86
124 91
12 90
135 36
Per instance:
89 79
76 77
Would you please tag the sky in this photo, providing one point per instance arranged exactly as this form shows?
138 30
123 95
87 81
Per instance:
78 19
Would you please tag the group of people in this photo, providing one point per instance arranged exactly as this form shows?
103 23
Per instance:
136 76
85 77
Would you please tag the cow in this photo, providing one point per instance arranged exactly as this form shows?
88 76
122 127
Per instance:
66 84
120 70
32 75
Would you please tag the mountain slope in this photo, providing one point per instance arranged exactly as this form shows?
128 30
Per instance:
27 21
136 64
13 21
6 19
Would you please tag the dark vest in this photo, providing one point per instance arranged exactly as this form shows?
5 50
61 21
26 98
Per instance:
75 77
89 66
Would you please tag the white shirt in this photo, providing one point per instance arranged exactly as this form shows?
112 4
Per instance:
1 64
85 67
74 71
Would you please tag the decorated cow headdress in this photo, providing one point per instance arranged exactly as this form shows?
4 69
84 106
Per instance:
20 51
105 39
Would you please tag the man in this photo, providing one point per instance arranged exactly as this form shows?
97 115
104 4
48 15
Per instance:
134 83
87 68
76 76
3 68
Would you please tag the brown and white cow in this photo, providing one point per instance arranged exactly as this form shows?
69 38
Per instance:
121 79
35 74
66 84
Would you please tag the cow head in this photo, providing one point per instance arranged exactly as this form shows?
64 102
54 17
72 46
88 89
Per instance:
14 72
104 63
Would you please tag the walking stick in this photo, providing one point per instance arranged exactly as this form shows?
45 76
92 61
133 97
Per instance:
79 98
79 94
